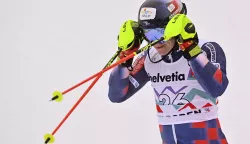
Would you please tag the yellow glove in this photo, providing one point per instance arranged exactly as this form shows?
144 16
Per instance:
183 29
129 40
130 33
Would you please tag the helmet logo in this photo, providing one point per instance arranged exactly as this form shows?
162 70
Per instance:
147 13
171 7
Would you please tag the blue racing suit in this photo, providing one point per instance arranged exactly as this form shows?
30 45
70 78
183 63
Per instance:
186 92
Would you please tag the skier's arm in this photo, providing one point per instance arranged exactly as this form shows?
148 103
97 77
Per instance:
210 69
123 84
213 79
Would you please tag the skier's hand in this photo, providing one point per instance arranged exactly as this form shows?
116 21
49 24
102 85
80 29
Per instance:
184 31
129 40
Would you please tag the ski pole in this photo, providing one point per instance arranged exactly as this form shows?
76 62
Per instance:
58 95
50 137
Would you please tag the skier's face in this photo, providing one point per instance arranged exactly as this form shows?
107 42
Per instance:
163 47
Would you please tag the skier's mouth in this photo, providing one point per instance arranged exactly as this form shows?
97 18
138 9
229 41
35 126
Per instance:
159 46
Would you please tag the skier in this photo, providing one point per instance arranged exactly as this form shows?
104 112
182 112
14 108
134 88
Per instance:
187 74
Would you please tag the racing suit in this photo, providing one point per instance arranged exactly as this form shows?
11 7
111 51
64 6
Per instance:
186 92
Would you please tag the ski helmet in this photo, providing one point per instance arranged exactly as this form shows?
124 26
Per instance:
157 13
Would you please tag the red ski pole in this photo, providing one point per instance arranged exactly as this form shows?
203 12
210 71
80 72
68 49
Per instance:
49 138
58 96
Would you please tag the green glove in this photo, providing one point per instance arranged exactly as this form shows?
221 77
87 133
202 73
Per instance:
183 29
129 39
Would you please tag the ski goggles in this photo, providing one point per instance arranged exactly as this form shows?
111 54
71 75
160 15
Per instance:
154 34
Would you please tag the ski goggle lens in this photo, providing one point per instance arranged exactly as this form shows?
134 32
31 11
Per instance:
154 34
